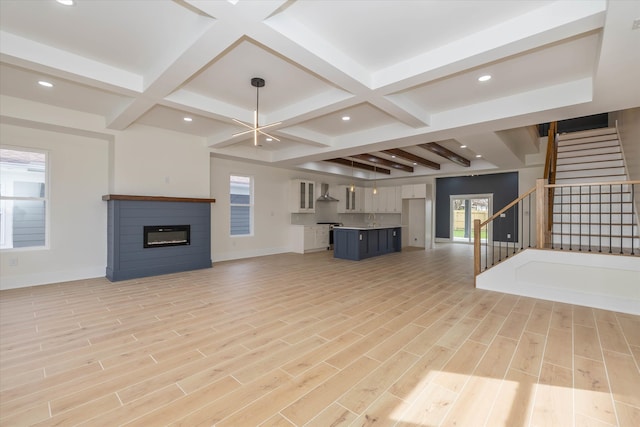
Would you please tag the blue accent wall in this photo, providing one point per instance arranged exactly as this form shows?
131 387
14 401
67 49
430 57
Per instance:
126 256
503 186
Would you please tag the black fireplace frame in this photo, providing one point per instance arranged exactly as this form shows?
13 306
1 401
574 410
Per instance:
148 229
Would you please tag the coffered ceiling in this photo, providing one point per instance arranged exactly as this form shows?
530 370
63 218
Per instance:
404 72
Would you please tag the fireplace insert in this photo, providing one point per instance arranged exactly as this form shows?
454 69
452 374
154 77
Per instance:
157 236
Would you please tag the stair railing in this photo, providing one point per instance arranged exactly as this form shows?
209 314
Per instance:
596 217
505 232
489 236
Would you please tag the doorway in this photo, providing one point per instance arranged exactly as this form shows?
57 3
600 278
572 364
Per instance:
464 210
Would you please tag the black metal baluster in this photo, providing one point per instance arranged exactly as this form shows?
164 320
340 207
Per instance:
580 218
561 216
600 218
500 241
589 233
610 217
553 215
506 252
486 247
521 235
493 244
621 220
570 217
633 235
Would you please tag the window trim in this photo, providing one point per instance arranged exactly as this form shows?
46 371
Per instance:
250 205
46 199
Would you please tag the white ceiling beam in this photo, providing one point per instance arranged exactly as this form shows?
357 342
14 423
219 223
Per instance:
26 53
556 21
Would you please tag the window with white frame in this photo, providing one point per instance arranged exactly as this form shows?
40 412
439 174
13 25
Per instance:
241 202
23 198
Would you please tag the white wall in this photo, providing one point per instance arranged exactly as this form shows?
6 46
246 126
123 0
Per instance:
593 280
154 162
78 177
88 161
271 211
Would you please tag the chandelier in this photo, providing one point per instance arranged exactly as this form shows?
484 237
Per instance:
256 82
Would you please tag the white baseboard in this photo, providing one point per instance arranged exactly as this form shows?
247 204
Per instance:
230 256
49 277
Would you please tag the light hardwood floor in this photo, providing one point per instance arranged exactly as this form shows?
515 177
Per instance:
292 340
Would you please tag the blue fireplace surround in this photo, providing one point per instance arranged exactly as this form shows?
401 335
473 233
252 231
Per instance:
127 258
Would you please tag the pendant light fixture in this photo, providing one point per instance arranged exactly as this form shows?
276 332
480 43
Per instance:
352 187
375 188
256 82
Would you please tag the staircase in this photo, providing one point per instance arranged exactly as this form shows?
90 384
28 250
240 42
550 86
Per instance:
598 217
584 206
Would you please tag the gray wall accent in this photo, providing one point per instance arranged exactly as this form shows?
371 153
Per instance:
503 186
126 256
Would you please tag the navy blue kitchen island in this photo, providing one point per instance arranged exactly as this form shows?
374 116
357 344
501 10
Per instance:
356 243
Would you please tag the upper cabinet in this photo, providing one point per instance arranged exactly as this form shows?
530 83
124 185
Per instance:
393 200
303 196
414 191
386 200
350 201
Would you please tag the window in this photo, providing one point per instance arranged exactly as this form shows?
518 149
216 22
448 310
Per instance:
23 198
241 198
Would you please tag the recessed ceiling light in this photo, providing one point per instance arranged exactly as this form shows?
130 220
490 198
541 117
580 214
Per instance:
346 118
478 155
393 156
45 83
187 119
484 78
269 139
463 146
66 2
414 163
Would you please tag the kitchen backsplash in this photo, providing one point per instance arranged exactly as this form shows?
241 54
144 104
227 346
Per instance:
353 219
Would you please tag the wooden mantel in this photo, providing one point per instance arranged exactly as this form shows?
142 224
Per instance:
108 197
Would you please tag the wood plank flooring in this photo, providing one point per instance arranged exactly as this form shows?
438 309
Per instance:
308 340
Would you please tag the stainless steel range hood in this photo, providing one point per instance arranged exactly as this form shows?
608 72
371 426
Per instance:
324 194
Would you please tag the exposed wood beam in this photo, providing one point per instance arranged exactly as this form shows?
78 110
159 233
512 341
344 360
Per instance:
380 161
413 158
365 166
446 153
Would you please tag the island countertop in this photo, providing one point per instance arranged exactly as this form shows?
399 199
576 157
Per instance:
366 227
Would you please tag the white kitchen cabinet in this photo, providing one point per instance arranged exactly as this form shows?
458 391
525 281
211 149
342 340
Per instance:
309 238
414 191
303 196
380 200
321 237
393 200
387 200
369 201
350 201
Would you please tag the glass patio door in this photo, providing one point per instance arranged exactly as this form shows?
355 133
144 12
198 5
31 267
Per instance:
465 209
